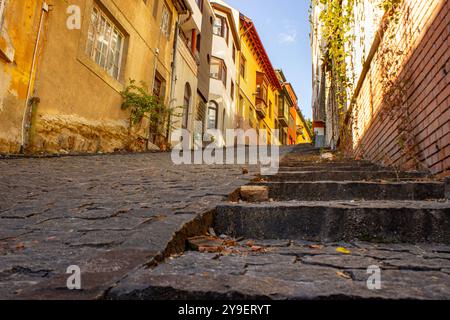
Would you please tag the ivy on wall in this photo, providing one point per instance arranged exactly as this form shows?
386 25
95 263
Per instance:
336 21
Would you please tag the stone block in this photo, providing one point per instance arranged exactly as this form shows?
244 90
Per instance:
255 193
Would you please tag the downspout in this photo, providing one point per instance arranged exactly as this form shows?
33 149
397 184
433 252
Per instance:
26 118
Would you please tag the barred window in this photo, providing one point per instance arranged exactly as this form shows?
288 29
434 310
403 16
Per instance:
105 43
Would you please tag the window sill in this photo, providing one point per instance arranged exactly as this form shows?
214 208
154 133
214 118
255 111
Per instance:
102 74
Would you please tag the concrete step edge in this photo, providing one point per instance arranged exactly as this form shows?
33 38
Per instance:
343 204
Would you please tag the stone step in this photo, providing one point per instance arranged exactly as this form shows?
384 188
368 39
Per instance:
288 270
337 175
354 190
375 221
329 166
300 159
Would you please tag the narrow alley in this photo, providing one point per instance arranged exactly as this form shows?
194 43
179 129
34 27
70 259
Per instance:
209 150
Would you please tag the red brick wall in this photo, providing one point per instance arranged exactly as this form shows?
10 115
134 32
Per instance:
426 67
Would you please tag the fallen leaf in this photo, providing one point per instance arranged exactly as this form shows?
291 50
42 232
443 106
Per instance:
210 249
20 246
343 275
230 243
343 250
256 248
316 246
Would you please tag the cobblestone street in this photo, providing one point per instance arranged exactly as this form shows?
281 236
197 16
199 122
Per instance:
127 221
107 214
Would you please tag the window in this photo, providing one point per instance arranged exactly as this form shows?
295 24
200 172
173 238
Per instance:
212 115
234 53
186 105
241 105
261 87
242 66
2 10
166 21
104 43
220 27
232 90
219 70
159 87
224 115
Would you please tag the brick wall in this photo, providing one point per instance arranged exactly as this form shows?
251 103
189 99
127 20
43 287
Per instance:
422 37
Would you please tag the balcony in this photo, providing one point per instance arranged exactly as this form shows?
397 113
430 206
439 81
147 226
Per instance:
261 94
261 108
190 58
195 21
283 117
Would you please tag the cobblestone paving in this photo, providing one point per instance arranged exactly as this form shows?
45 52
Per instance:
296 270
108 214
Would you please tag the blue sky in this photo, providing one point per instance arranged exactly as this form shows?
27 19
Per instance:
283 26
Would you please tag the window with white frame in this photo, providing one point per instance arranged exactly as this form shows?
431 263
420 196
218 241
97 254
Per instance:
213 109
166 21
2 10
105 43
219 70
220 27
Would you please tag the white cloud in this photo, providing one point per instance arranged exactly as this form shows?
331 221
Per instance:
289 35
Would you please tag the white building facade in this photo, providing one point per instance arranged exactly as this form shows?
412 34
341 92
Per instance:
223 83
186 71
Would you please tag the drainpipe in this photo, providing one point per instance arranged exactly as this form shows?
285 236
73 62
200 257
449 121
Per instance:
26 119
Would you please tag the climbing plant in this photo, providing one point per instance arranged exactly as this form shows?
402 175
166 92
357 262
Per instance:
143 105
396 79
336 20
390 7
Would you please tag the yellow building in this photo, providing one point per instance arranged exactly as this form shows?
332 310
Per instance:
62 68
18 32
304 134
258 85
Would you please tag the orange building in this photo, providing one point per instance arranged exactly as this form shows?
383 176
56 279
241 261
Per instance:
292 128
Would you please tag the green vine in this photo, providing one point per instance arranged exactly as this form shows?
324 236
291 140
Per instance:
397 78
336 21
143 105
390 8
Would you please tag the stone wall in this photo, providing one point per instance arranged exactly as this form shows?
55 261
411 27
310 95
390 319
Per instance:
64 134
414 130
